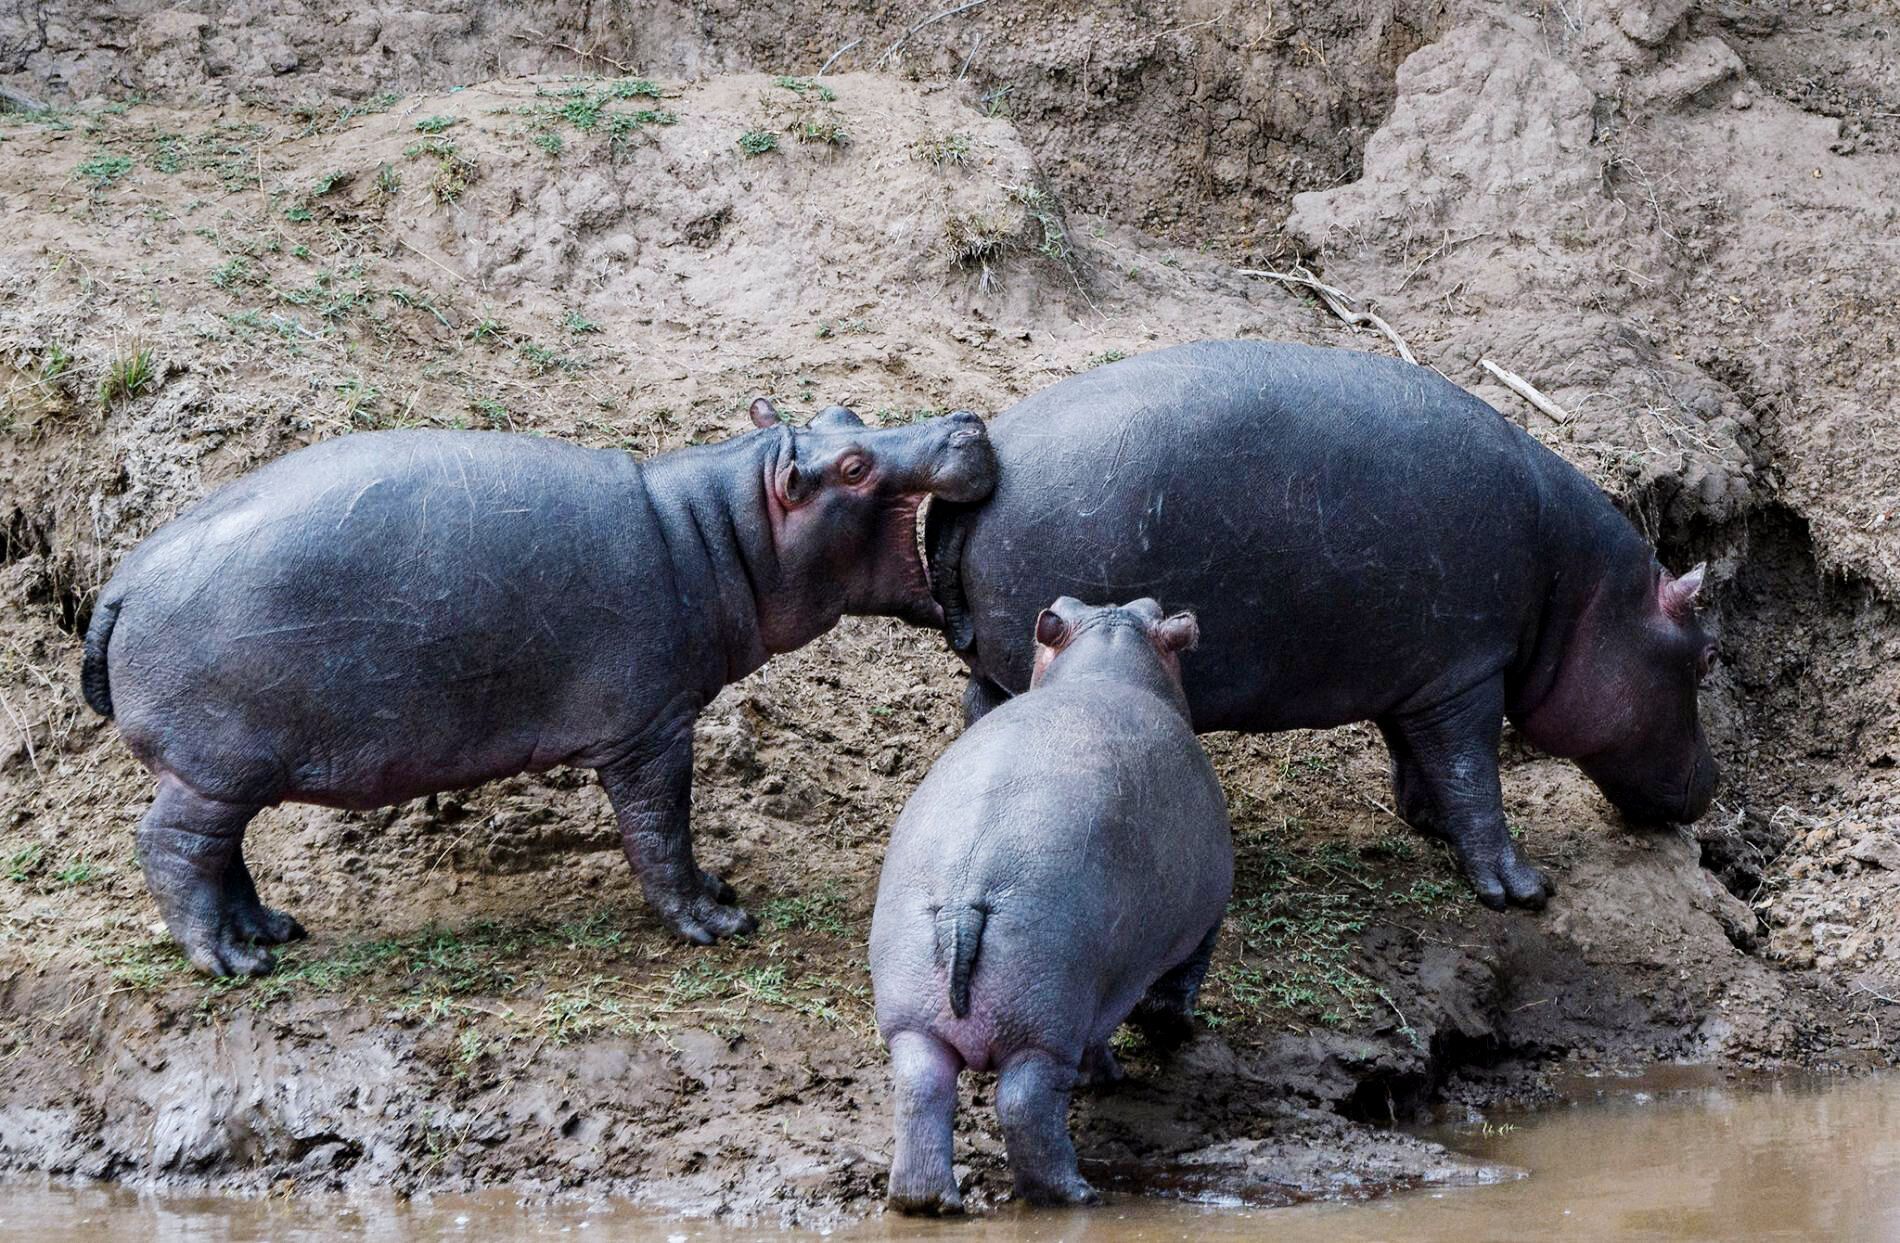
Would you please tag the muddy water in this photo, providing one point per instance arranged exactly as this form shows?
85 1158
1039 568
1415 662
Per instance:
1649 1160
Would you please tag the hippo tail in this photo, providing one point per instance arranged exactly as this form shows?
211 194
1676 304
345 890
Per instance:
959 935
946 530
93 680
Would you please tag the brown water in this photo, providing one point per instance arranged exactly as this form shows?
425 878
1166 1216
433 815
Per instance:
1628 1161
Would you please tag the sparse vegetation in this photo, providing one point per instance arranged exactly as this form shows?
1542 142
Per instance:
453 171
805 86
541 360
236 271
826 129
103 170
129 375
1041 206
941 149
758 141
435 125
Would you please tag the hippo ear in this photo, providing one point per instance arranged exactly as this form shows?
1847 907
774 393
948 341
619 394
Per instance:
764 413
1051 631
1177 634
836 416
1677 595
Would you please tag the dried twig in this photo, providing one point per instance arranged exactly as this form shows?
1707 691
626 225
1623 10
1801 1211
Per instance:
26 736
833 58
527 35
932 20
972 56
402 241
1528 391
1877 996
1339 302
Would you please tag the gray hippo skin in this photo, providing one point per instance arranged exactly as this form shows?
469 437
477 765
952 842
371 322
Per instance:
385 615
1361 540
1065 863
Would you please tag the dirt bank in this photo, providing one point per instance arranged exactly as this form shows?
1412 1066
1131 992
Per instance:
237 234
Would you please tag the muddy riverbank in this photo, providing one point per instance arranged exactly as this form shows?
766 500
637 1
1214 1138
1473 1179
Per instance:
232 235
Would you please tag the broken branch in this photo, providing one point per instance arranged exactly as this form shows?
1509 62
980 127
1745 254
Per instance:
1528 391
1339 302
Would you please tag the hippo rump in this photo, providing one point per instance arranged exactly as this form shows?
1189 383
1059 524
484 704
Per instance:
385 615
1065 863
1361 540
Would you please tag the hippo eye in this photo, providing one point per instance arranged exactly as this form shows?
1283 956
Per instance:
853 469
1704 661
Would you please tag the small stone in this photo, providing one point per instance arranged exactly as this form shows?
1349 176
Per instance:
1741 101
1881 850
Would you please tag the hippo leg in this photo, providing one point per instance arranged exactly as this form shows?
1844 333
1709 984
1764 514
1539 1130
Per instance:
260 923
1165 1016
924 1095
651 790
1445 779
1100 1069
980 697
187 844
1032 1103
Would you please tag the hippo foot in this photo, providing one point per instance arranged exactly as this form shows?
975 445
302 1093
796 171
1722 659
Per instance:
1506 880
228 951
1071 1190
705 912
267 926
926 1201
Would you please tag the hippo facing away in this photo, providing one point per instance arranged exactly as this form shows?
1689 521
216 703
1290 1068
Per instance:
385 615
1361 540
1066 860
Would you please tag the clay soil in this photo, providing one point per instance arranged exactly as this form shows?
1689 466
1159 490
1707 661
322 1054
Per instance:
230 233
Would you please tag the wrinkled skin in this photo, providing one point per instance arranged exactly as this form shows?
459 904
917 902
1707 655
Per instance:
1361 540
386 615
1065 863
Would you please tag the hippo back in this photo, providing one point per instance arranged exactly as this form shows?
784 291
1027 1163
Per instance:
1354 532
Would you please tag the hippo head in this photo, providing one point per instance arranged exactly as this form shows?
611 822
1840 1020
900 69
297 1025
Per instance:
1624 706
842 499
1136 638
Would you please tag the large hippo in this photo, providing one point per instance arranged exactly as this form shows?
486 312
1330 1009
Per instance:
1067 860
385 615
1361 540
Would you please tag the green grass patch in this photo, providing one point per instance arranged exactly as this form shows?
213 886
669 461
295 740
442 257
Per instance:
103 170
808 912
803 87
127 376
758 142
1292 938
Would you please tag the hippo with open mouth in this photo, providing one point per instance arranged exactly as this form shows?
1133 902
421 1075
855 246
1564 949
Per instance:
389 614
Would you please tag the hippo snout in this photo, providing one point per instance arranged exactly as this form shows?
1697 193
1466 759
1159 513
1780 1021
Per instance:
964 466
1700 792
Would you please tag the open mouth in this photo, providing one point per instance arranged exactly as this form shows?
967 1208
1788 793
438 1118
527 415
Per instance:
913 602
